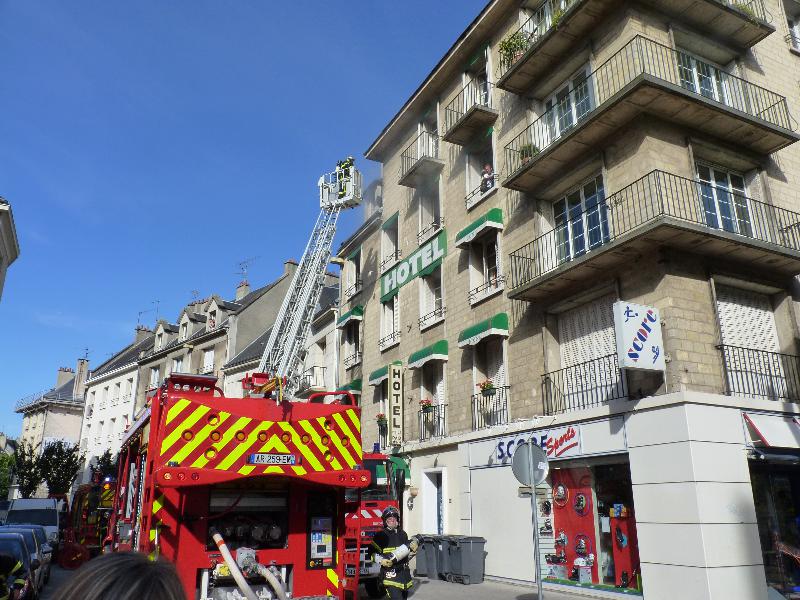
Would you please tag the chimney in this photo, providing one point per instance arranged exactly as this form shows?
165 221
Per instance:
81 374
242 289
141 333
64 375
289 267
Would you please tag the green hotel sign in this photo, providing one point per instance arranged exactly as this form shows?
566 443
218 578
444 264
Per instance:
422 262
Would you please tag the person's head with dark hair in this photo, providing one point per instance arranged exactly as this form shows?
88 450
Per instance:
123 576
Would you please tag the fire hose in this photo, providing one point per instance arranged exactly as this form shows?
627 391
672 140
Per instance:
239 577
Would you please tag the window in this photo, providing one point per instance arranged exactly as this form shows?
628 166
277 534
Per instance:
390 246
184 330
159 340
433 388
430 216
117 393
112 429
353 274
701 78
794 33
352 344
154 377
212 319
481 178
177 364
432 302
129 387
581 220
725 202
486 278
569 104
104 397
390 323
208 360
488 363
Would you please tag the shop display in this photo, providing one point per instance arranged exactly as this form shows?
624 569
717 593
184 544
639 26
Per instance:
546 507
547 528
560 494
581 504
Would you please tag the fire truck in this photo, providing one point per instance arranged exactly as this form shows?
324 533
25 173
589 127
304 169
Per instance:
88 521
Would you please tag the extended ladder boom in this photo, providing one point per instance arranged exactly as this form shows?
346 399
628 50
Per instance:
338 190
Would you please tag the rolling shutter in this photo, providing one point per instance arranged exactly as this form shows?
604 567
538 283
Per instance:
587 332
496 367
746 319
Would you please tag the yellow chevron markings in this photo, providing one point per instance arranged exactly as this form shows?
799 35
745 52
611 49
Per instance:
243 446
307 454
351 414
333 577
274 443
176 409
274 469
334 437
158 504
193 418
354 439
318 442
199 437
299 470
242 422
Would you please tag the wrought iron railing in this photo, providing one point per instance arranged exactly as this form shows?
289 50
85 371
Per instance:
793 40
761 374
45 397
488 287
425 145
479 192
352 360
390 259
428 230
490 407
656 195
313 377
432 317
432 422
389 340
354 289
588 384
475 93
643 57
383 435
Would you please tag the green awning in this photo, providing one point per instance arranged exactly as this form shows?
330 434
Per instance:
379 375
492 219
354 314
387 223
496 325
353 387
437 351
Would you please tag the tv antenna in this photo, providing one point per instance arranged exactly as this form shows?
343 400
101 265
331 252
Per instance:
244 265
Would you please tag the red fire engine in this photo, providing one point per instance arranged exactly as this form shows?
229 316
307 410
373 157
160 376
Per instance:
87 524
202 476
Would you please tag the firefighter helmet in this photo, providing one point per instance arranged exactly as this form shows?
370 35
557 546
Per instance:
390 511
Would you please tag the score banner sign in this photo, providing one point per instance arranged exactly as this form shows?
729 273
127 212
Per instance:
639 341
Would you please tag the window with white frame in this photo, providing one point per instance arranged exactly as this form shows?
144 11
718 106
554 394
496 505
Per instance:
581 220
430 215
794 32
352 344
208 360
112 428
117 393
159 341
432 299
485 275
104 397
569 104
128 387
480 176
212 319
488 358
390 323
154 377
701 77
490 406
724 198
390 242
433 382
184 330
353 274
177 364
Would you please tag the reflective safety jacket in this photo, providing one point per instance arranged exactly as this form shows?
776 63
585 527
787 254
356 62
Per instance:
15 580
398 575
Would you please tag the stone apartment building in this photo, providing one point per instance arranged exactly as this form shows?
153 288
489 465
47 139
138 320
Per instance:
9 245
110 398
569 165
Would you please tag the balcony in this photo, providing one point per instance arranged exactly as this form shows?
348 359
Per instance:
354 289
489 288
480 193
432 422
352 360
429 230
430 319
646 77
490 410
660 209
311 380
760 374
390 260
389 341
793 40
383 435
586 385
537 49
469 114
420 162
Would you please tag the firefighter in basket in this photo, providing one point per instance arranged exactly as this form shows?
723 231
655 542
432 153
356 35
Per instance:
395 550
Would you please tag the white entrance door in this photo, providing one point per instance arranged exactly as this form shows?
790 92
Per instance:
433 503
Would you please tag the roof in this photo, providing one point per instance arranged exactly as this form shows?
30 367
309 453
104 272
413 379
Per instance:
127 355
252 352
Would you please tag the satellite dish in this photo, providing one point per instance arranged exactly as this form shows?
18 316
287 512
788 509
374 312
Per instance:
524 455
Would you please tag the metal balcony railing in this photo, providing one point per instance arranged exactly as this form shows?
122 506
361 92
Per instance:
432 422
428 230
48 396
793 40
490 409
643 57
656 195
383 435
354 289
475 93
389 340
761 374
487 288
390 259
588 384
432 317
352 360
479 192
425 145
313 377
205 369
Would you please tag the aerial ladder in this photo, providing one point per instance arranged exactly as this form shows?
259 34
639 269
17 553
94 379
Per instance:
339 190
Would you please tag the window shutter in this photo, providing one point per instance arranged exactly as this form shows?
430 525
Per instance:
439 383
746 319
496 370
396 314
587 332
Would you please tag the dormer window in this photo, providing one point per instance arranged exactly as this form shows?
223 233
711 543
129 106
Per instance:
184 330
159 341
212 319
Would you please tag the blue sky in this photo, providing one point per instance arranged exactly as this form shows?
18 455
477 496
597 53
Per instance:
147 147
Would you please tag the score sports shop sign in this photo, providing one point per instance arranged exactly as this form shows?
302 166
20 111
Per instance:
419 264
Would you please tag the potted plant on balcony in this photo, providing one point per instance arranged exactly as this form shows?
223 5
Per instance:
381 419
426 404
487 388
527 152
556 18
512 48
746 9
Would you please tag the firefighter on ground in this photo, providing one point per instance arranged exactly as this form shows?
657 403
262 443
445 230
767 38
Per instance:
12 576
395 574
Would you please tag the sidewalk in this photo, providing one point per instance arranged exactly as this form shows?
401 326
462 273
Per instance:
426 589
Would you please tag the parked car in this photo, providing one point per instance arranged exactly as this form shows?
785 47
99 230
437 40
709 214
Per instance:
40 511
46 555
4 504
14 544
34 549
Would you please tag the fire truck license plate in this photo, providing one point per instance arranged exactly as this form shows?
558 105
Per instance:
267 458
